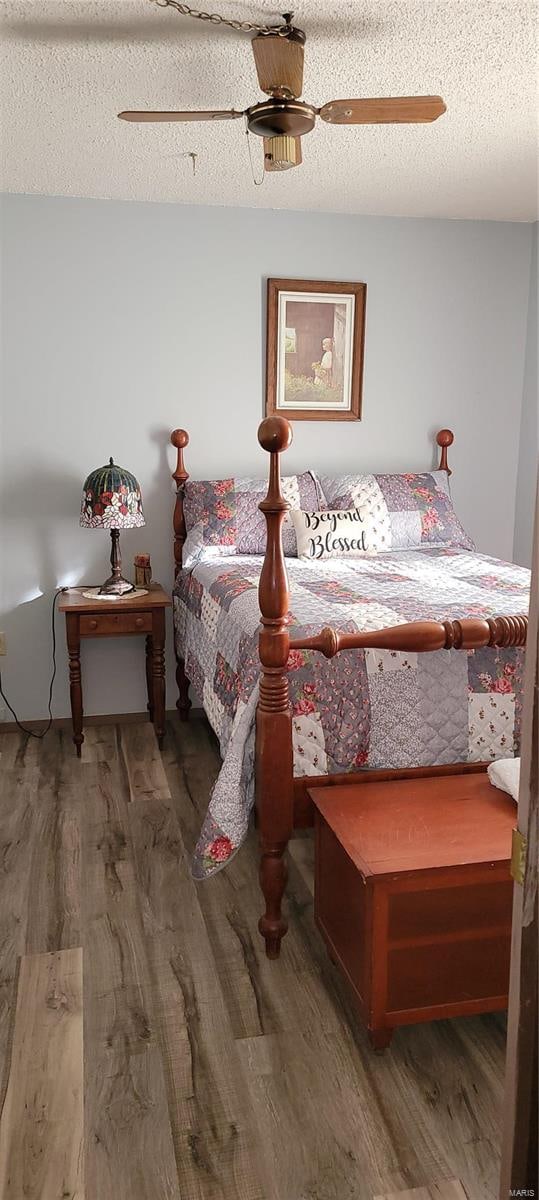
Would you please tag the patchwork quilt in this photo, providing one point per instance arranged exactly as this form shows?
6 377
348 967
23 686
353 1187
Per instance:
362 708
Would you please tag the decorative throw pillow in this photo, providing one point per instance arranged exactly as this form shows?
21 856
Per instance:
222 515
419 506
345 533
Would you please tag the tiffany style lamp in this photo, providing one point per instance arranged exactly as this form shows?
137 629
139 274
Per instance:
111 499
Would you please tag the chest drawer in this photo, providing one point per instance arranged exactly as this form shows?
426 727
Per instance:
115 624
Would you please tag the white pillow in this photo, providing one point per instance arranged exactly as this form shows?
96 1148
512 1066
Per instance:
344 533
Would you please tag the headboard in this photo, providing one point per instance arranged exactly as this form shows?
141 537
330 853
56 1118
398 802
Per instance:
180 439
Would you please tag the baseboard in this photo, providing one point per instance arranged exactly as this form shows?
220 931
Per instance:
104 719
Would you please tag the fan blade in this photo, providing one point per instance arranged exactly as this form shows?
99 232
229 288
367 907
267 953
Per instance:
388 110
279 63
210 115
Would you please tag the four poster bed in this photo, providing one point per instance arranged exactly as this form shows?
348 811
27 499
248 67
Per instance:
223 645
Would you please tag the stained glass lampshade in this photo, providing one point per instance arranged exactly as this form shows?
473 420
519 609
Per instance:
111 499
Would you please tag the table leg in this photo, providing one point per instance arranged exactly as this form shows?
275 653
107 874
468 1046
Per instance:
149 674
158 673
75 682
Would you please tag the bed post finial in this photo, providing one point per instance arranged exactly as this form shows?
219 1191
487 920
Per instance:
274 779
180 439
444 438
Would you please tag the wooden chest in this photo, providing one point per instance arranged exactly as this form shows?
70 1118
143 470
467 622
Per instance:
413 896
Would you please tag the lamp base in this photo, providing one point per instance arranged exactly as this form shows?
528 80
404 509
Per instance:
116 586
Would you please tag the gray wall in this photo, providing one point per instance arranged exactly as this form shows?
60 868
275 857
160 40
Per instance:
123 320
529 429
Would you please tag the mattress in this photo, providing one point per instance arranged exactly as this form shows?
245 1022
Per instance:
362 708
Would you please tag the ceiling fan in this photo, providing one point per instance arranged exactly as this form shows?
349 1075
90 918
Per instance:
283 119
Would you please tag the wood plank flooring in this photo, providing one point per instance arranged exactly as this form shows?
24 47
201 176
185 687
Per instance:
41 1130
210 1073
450 1189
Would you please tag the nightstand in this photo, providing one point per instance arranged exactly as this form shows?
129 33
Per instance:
118 618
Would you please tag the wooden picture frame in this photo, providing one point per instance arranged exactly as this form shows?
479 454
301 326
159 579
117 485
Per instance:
325 344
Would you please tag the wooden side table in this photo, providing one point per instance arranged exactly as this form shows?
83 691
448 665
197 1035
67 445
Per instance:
86 618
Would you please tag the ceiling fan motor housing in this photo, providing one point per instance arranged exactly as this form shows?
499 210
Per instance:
278 117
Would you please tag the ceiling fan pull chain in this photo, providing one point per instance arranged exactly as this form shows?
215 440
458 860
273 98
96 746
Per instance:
257 182
215 19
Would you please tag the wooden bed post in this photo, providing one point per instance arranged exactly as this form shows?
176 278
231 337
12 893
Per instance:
444 438
274 764
180 439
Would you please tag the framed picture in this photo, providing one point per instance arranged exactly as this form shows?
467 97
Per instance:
315 349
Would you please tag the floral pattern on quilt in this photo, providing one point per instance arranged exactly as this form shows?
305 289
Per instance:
222 515
359 709
212 504
419 506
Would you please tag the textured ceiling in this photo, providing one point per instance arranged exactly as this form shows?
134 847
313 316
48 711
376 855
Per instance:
70 65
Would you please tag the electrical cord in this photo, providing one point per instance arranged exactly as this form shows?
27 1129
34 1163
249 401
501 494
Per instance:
43 732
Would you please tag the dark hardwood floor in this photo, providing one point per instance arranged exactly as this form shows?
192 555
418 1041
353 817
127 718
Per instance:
150 1051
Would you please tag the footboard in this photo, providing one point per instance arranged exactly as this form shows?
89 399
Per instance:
275 785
